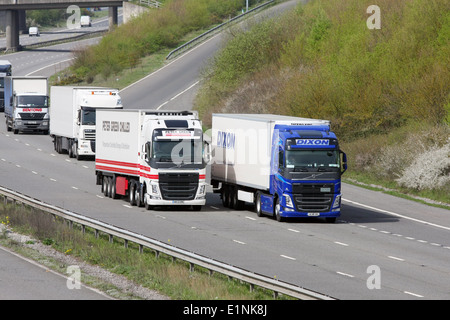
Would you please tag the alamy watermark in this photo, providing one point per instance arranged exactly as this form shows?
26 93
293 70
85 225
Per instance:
74 20
74 279
374 21
374 280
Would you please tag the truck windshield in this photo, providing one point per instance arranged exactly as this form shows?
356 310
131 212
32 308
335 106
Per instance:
88 116
312 159
32 101
178 151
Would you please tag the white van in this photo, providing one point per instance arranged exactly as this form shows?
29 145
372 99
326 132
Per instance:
33 31
85 21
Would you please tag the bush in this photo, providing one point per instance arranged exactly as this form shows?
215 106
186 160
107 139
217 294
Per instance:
429 170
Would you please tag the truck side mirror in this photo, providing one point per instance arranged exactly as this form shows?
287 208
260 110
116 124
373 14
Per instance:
344 161
206 152
147 151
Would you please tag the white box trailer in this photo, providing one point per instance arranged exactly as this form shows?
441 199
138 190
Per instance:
155 158
285 166
72 115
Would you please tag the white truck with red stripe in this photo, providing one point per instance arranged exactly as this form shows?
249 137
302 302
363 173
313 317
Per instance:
154 158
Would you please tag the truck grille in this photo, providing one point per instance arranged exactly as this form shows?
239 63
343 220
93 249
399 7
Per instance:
178 186
89 134
31 116
313 203
313 197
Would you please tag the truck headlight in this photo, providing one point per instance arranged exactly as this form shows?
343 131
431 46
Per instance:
288 201
337 201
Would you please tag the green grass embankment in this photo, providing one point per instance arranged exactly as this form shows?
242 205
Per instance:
386 91
158 29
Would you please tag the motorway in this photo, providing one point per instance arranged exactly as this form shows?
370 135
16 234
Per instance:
406 243
98 25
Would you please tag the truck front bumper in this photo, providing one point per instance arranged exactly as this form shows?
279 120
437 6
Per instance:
326 206
26 125
160 202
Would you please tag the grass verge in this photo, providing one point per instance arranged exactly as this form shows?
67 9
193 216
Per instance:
168 277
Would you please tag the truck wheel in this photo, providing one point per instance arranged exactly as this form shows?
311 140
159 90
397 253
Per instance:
112 189
225 196
71 149
106 186
276 210
137 195
258 204
131 193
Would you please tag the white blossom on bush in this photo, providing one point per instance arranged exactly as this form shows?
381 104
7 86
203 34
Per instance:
429 170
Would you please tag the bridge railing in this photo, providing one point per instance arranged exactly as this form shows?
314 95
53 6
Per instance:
151 3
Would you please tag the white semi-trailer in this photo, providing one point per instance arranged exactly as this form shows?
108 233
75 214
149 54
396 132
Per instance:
73 113
155 158
26 104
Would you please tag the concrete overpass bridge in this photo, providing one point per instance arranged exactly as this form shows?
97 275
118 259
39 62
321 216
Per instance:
13 8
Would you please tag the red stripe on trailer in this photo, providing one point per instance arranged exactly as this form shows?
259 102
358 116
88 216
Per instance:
117 170
117 163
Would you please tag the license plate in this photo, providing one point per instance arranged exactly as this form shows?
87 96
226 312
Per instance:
177 201
313 214
31 122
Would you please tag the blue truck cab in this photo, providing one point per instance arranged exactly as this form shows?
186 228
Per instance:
306 169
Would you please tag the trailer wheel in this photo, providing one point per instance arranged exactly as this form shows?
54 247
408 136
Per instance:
225 195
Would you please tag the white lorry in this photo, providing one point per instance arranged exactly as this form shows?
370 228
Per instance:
72 113
26 104
154 158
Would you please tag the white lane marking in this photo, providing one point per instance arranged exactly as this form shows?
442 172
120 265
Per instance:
50 65
170 63
177 95
341 243
287 257
293 230
396 258
214 207
237 241
345 274
250 218
397 215
413 294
